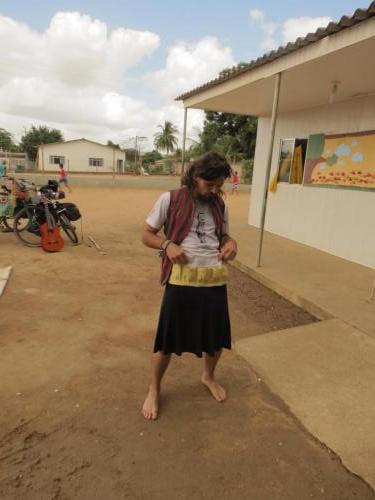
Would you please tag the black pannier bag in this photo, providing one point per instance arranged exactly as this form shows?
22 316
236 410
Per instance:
72 211
51 186
54 185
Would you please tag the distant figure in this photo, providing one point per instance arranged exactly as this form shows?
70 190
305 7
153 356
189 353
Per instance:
3 170
236 180
64 179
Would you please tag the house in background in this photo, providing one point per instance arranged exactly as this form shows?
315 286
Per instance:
81 156
317 93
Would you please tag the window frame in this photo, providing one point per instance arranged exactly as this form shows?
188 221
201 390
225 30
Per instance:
96 162
296 141
61 160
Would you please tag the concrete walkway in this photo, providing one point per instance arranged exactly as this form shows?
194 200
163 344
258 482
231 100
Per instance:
325 285
325 372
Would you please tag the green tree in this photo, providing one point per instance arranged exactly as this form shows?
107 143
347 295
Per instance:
178 154
6 141
151 157
247 171
232 135
35 136
166 139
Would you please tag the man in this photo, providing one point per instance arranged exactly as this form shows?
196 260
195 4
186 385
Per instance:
194 313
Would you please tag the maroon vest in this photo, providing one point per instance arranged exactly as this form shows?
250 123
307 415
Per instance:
180 218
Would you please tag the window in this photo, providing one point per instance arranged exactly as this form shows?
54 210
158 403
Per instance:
96 162
56 160
291 160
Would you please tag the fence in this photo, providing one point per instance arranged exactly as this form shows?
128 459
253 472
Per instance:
16 162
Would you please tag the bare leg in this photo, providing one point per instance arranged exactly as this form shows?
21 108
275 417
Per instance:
159 365
210 362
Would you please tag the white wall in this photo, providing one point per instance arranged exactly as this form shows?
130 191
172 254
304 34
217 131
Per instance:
338 221
77 154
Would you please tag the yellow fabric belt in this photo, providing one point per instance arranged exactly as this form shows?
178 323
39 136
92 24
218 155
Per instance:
198 276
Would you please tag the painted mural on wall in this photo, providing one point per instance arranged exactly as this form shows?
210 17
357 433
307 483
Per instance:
344 160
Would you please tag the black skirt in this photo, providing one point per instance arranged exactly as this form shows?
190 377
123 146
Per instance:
193 319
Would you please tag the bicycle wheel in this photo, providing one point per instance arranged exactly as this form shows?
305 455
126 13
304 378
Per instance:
8 224
26 227
68 228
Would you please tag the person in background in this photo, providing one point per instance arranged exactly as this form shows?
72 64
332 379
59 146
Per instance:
3 170
63 181
236 180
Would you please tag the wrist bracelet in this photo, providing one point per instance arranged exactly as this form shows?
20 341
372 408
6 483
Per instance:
166 246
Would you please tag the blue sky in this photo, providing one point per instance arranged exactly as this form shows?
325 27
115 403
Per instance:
175 20
188 43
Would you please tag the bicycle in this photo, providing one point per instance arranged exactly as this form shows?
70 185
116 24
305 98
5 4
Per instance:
20 190
28 220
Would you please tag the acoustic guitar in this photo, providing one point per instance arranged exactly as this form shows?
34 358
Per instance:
50 232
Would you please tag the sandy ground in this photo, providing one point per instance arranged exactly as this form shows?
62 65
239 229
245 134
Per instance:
76 331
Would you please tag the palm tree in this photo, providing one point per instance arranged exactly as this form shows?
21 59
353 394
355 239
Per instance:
166 139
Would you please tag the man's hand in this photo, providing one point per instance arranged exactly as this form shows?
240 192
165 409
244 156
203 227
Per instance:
228 250
176 254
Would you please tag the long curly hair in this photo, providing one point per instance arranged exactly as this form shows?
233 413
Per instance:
210 166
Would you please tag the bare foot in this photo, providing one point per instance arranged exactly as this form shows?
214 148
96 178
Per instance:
151 405
217 391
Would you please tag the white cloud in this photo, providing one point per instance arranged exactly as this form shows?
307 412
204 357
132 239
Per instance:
275 34
81 50
269 41
189 65
75 50
300 26
258 18
73 77
257 15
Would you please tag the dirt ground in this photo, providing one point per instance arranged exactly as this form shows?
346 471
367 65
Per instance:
76 331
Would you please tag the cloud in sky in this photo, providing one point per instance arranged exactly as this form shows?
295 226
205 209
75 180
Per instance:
190 64
73 76
257 15
276 34
300 26
258 18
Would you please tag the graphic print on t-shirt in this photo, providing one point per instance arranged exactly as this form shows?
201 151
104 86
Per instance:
201 233
199 254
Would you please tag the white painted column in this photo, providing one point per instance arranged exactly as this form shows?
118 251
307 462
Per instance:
183 144
268 166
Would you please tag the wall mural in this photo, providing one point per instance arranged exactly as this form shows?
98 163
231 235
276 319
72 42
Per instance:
345 160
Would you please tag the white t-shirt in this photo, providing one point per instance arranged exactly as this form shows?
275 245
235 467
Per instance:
201 245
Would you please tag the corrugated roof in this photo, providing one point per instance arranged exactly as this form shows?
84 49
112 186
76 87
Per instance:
345 22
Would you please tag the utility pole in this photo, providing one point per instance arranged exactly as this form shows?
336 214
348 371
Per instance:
137 140
136 150
183 144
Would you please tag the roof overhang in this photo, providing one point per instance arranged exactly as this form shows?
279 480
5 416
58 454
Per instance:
307 75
